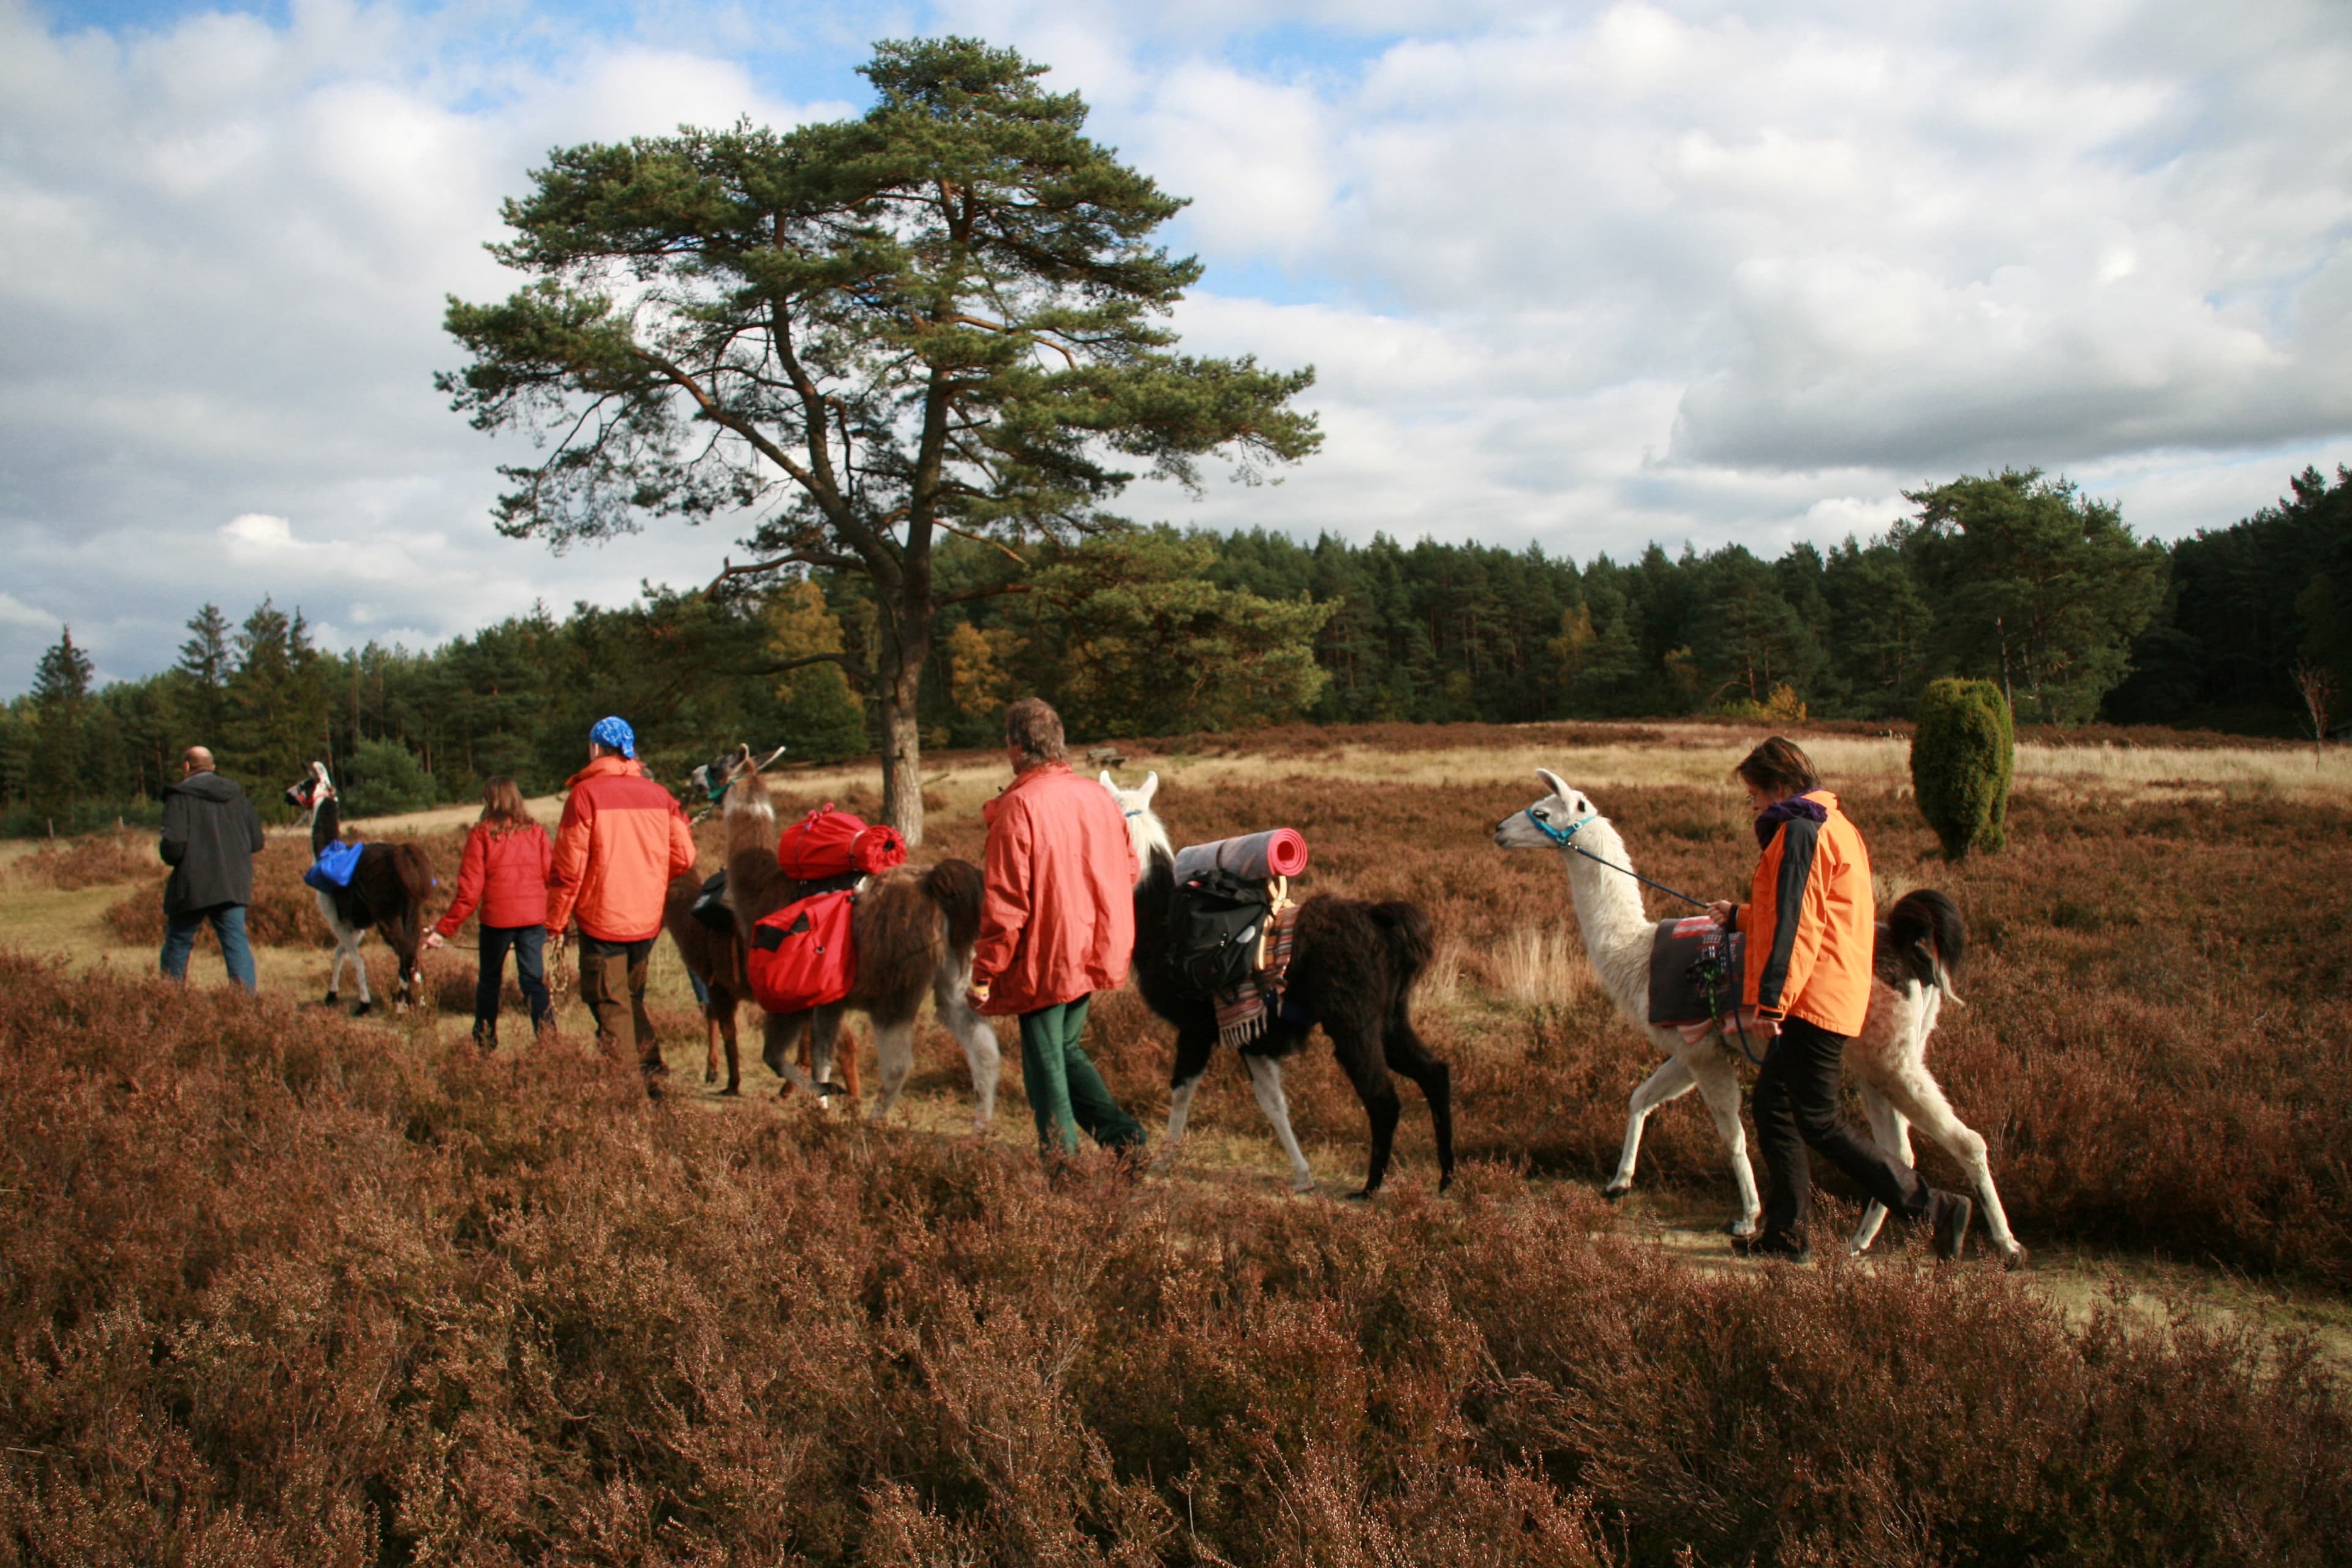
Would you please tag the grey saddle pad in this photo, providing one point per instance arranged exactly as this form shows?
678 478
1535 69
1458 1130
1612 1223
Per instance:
1689 957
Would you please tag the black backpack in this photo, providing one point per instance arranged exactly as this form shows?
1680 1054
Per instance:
1213 930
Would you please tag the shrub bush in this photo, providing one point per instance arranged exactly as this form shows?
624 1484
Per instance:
282 1288
1962 754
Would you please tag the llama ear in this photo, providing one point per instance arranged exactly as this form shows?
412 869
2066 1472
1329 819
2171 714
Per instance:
1553 782
1107 782
1151 786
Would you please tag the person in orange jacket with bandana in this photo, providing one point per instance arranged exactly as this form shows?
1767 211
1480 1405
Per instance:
622 840
1811 925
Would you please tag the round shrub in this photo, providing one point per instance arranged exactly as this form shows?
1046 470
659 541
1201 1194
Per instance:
1962 754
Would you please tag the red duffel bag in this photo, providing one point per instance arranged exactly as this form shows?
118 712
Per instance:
829 843
801 956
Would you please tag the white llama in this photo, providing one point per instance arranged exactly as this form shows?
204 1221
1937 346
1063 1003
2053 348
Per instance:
1888 1059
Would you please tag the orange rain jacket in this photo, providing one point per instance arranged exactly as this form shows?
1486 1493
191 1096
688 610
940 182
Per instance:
1810 924
1058 915
622 840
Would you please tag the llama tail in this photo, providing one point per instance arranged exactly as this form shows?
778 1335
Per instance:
1932 921
955 887
1411 940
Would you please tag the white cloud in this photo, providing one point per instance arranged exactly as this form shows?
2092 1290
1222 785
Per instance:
1582 275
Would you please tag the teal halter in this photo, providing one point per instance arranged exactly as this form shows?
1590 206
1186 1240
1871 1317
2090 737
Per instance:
1559 835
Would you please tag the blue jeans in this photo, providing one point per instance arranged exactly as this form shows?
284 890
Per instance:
228 924
530 945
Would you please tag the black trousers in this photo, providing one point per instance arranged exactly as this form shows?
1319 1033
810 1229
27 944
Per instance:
1796 1105
528 944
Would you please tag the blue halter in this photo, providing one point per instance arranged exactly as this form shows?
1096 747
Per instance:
1560 835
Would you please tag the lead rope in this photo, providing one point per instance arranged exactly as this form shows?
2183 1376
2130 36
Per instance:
1563 836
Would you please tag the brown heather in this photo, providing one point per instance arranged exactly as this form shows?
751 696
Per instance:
276 1287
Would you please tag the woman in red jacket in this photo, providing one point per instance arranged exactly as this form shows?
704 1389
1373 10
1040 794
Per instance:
504 872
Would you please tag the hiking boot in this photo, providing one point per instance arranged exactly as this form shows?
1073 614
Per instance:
1768 1245
545 1031
486 1037
1947 1223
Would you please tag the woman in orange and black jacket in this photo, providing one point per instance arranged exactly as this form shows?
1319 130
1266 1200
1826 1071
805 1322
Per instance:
504 873
1810 923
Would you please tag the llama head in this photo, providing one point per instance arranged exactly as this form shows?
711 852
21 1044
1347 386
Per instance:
1564 810
1145 831
306 793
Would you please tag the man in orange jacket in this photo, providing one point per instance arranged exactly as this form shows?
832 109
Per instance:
622 840
1056 925
1811 924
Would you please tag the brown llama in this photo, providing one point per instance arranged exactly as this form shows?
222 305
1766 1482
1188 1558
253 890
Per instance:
914 928
714 955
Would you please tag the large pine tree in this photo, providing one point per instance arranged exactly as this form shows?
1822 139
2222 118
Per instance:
944 317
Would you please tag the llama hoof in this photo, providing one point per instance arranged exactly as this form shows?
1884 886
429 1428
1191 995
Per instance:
2015 1258
831 1091
331 1000
1362 1195
732 1089
1740 1227
364 1009
1616 1190
1304 1185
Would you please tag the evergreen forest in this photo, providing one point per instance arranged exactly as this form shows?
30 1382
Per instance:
2013 577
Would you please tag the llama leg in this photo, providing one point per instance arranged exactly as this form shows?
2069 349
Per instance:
1265 1077
1409 1056
725 1028
1917 1095
976 1035
1893 1131
335 967
1191 1061
1361 1058
777 1031
824 1054
1670 1081
359 962
894 1047
710 1052
1719 1085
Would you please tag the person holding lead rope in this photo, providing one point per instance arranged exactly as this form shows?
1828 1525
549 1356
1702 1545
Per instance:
1810 924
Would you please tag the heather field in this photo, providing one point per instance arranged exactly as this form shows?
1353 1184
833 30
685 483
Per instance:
282 1286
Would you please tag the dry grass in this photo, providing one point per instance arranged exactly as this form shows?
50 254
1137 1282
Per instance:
280 1288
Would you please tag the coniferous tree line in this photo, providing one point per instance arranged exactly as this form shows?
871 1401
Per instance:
2014 578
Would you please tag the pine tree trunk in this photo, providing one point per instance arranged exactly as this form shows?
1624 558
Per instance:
901 685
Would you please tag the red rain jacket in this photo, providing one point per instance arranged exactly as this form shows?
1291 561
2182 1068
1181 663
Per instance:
1810 922
1058 916
621 841
506 875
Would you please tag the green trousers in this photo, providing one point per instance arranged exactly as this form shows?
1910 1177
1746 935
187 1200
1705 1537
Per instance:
1064 1091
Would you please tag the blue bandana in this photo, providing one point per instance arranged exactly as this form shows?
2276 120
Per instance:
615 733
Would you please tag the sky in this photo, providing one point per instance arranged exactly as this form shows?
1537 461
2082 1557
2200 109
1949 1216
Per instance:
1576 276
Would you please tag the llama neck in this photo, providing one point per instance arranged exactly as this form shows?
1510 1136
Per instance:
750 819
1149 837
1617 931
326 826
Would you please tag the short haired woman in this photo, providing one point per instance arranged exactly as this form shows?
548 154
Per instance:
1810 922
505 873
1056 925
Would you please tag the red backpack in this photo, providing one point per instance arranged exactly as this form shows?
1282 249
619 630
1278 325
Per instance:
801 956
829 843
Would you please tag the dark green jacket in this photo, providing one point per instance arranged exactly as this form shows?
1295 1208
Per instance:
211 834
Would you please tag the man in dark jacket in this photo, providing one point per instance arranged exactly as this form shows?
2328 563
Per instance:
211 834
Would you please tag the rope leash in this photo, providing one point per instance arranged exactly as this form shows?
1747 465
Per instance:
1564 837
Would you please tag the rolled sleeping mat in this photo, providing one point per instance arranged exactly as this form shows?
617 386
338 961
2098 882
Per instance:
1253 856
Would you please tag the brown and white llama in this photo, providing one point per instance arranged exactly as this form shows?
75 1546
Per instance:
1353 965
914 929
387 892
713 954
1919 942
